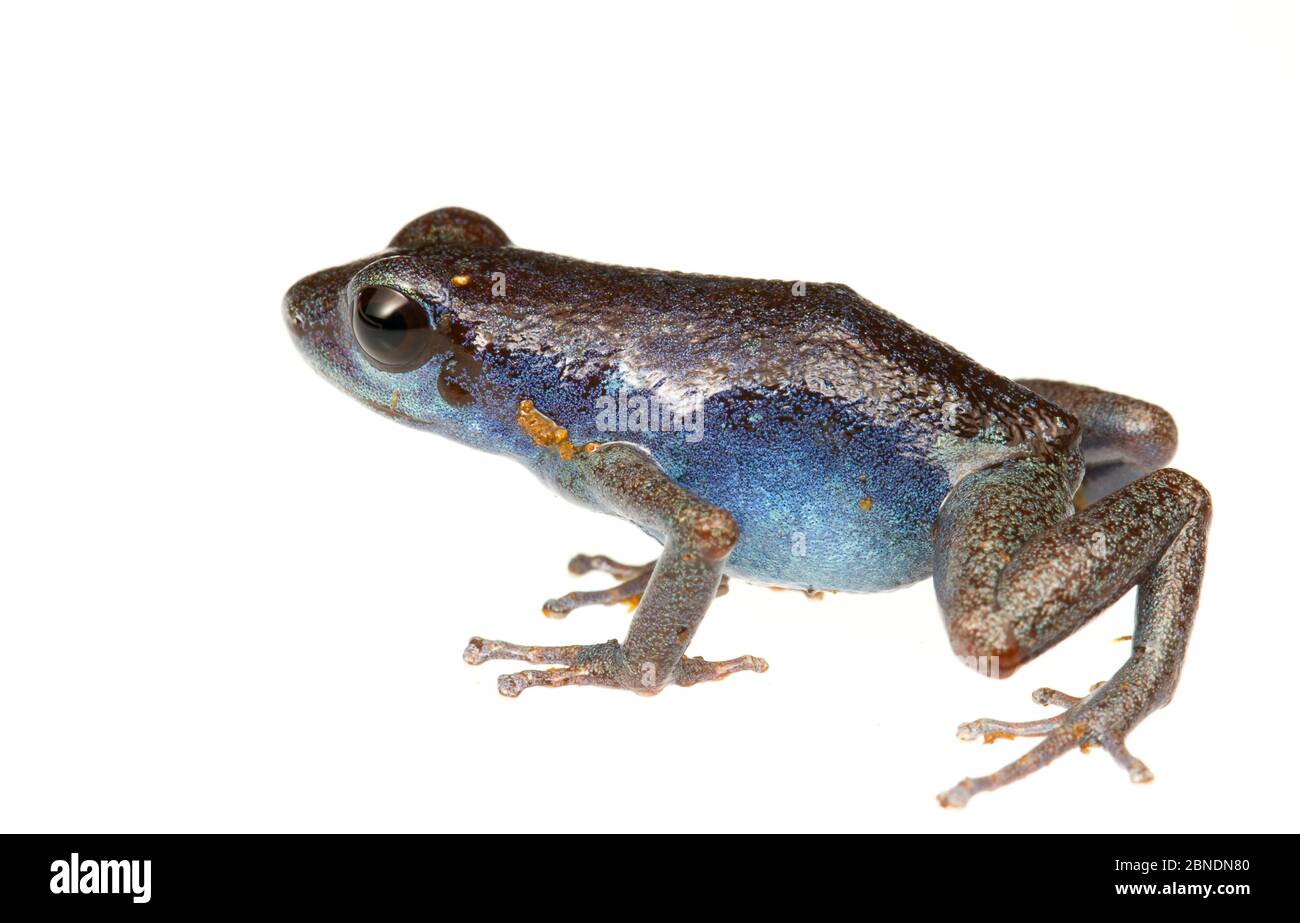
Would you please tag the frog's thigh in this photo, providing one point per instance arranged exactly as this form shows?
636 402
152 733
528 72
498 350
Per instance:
1015 574
1123 437
698 537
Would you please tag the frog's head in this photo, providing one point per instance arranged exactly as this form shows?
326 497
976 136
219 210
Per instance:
389 330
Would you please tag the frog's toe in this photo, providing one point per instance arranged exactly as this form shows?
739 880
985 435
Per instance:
1138 773
698 670
1102 718
992 729
1046 696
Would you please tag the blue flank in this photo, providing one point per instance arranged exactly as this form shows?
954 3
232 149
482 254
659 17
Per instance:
790 468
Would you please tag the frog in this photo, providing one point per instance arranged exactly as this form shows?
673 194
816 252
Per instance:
788 434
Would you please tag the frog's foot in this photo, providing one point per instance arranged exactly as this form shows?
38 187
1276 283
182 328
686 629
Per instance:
635 578
597 665
1103 718
1015 573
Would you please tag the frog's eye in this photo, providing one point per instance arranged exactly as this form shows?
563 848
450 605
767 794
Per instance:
394 332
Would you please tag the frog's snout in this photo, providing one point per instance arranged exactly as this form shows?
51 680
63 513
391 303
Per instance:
309 304
310 310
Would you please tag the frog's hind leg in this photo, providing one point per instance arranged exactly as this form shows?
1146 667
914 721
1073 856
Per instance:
1015 573
678 589
1123 438
635 577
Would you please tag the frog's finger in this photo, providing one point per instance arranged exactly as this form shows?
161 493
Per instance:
511 684
481 650
628 590
585 563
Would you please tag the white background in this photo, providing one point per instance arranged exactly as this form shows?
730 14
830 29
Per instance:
233 599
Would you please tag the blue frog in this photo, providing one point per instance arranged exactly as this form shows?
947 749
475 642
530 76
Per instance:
787 433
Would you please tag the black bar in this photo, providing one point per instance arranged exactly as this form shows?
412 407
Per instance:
238 872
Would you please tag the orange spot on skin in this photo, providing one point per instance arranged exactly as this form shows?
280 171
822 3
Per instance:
632 602
865 504
543 430
392 401
998 735
460 280
1124 638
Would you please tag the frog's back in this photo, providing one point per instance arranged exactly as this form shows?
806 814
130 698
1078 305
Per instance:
831 429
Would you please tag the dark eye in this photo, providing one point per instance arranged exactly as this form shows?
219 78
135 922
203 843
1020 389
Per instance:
392 329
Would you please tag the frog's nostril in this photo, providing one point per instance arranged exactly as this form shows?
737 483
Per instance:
295 316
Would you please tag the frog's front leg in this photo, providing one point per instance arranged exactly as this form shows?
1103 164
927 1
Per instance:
683 582
1015 573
